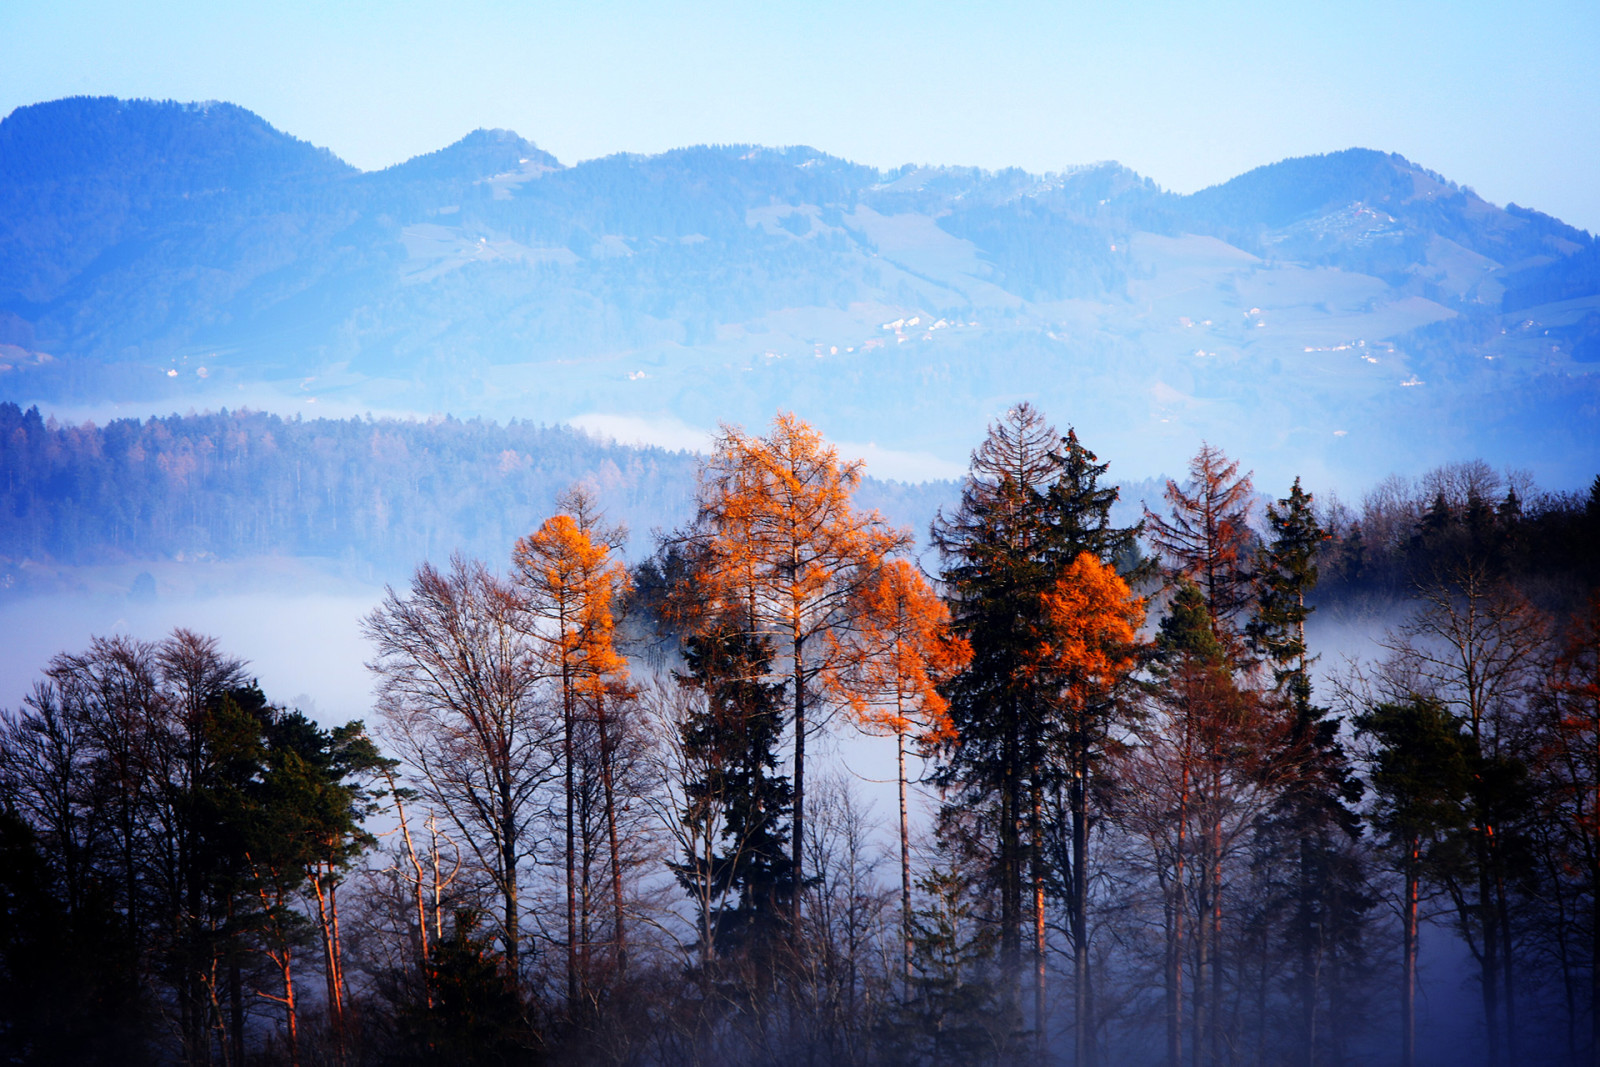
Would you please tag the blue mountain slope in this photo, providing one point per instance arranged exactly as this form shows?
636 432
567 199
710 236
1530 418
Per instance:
1335 310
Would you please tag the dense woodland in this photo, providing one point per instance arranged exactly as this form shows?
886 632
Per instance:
374 494
593 817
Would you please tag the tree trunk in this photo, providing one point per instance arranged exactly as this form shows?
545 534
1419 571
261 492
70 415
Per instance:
422 911
1507 957
1011 862
512 937
905 860
1594 948
573 990
1490 970
330 961
1036 833
1202 959
1175 941
1594 904
619 930
1083 1003
235 990
797 842
341 984
1408 982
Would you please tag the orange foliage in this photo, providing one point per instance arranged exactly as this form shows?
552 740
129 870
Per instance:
571 580
904 651
785 544
1093 623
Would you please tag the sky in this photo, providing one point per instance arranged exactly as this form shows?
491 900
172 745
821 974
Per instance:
1503 98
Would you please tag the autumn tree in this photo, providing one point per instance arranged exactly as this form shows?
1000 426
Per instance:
1206 537
904 650
571 578
778 550
1090 648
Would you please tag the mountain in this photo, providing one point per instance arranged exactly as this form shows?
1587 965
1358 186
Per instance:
1339 315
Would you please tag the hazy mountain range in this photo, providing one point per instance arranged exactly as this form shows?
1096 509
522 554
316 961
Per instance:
1339 316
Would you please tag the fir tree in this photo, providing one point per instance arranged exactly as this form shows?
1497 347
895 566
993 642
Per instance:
734 738
1313 816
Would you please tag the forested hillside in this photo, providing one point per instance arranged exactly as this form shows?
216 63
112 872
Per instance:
1137 823
378 494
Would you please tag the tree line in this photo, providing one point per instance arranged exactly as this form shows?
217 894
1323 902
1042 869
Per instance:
598 818
374 494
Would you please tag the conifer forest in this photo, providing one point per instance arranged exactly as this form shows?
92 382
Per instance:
596 813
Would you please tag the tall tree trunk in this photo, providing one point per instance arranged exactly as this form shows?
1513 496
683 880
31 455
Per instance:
512 937
330 961
1507 957
905 860
1178 908
1011 863
1490 970
1594 901
568 786
797 842
1082 1001
235 990
422 911
340 982
619 929
1216 945
1036 835
1408 983
1201 984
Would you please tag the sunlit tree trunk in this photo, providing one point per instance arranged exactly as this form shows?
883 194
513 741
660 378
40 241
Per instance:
327 924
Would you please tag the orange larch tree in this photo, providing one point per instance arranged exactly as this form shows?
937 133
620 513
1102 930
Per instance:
780 552
903 650
1089 648
571 575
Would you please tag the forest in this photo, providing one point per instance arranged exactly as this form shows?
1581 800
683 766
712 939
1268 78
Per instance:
595 815
373 495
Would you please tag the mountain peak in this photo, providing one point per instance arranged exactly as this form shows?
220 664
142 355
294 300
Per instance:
483 153
207 144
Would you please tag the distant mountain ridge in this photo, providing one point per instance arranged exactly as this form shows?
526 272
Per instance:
153 251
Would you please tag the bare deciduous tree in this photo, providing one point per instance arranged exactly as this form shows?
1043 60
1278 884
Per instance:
458 694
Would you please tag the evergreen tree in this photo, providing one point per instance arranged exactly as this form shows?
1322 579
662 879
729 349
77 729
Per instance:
472 1016
1313 818
1034 530
995 551
734 739
954 1011
1421 776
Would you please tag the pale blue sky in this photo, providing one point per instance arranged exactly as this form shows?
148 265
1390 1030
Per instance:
1503 97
